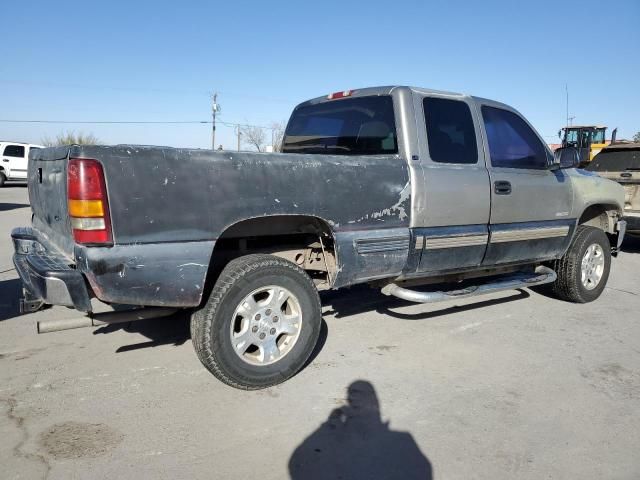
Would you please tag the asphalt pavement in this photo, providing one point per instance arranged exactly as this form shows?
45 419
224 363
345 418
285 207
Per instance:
513 385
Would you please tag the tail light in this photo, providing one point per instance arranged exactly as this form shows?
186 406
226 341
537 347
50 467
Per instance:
87 202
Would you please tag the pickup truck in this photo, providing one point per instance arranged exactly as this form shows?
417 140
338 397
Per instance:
426 195
620 162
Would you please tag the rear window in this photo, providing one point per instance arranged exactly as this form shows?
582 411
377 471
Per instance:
352 126
452 138
614 159
14 151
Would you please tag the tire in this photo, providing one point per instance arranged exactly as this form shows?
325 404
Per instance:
221 330
3 178
570 285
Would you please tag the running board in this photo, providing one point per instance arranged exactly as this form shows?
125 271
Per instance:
510 281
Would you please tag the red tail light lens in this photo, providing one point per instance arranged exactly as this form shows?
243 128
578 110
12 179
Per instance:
87 202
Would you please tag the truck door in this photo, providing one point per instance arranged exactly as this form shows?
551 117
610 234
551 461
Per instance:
451 232
530 204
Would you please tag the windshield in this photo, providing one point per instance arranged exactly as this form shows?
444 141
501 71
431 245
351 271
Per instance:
572 136
352 126
598 136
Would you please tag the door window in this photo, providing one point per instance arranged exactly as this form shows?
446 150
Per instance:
14 151
512 143
450 132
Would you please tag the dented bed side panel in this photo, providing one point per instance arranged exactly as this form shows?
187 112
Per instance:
160 274
168 206
162 194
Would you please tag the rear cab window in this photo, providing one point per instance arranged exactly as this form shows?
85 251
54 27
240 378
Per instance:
450 132
14 151
349 126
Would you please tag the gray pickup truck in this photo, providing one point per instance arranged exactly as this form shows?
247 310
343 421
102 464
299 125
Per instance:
426 195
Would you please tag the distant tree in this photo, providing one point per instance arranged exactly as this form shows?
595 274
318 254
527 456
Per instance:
636 137
254 137
71 138
277 129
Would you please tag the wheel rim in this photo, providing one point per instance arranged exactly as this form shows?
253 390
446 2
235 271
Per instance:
592 267
266 325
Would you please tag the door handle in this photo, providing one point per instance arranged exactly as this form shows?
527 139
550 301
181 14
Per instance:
502 187
626 175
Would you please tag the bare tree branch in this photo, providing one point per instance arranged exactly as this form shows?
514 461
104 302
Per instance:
277 129
71 138
254 137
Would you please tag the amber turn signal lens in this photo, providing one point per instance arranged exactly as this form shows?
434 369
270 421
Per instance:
85 208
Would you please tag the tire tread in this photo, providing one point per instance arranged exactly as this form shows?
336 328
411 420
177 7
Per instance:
205 344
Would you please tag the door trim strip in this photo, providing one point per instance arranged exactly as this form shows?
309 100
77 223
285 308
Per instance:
435 243
525 234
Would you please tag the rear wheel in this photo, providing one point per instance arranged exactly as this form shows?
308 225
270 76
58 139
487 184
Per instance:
260 323
583 271
3 178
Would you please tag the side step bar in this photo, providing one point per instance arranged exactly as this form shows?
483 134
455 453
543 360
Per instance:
511 281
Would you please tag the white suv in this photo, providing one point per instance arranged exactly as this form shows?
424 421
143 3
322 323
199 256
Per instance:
14 159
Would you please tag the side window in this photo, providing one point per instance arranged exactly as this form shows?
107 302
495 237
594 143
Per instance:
14 151
512 143
450 132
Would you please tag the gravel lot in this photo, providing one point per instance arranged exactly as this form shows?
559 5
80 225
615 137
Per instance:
515 385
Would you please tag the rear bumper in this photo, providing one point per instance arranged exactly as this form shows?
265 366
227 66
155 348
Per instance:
47 276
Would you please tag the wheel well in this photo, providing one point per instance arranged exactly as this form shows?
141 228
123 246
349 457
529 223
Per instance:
304 240
601 216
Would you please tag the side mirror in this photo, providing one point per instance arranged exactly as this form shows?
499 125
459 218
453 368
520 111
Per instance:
565 157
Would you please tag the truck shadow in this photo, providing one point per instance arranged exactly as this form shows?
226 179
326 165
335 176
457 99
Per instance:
631 244
10 292
175 329
362 299
172 330
4 207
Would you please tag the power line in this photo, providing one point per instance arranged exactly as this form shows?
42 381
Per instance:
137 122
105 121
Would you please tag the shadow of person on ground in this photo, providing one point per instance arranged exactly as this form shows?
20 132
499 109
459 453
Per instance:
354 443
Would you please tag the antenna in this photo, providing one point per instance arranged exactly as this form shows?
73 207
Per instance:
566 89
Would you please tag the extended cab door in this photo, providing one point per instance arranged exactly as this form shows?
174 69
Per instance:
451 232
530 204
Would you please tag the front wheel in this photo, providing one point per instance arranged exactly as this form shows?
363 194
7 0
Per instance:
3 178
260 323
584 269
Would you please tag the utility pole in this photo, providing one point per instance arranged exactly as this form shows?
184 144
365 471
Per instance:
215 108
239 133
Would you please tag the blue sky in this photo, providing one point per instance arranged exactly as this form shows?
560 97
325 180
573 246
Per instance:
143 60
